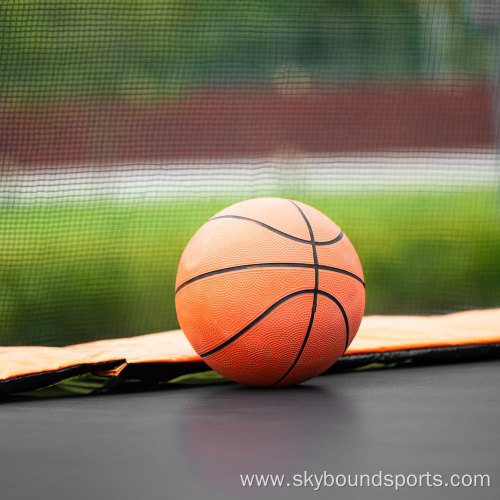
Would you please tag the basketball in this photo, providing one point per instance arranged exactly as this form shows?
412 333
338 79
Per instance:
270 292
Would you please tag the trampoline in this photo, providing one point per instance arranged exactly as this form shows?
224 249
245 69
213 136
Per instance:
125 126
195 442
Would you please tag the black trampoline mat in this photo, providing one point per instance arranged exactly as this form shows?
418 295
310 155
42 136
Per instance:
194 442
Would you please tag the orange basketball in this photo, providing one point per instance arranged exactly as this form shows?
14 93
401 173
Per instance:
270 292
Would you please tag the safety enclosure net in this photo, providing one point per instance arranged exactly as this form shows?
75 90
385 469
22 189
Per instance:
125 125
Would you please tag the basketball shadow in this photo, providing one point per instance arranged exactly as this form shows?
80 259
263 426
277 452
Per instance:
240 430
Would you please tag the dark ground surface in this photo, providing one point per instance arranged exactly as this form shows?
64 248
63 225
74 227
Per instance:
194 442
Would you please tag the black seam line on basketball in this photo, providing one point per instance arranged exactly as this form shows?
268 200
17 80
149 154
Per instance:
342 310
315 298
277 231
269 265
346 322
271 308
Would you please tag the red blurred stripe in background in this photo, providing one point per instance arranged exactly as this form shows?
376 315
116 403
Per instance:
237 124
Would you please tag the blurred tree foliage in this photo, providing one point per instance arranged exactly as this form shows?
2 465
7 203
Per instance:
131 47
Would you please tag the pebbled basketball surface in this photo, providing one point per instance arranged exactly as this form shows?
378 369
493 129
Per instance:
270 292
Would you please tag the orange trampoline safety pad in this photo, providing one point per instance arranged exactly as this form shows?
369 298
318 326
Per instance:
161 356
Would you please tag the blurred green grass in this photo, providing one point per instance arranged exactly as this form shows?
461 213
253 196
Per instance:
72 273
163 47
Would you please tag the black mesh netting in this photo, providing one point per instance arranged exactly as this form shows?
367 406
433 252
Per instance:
124 125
